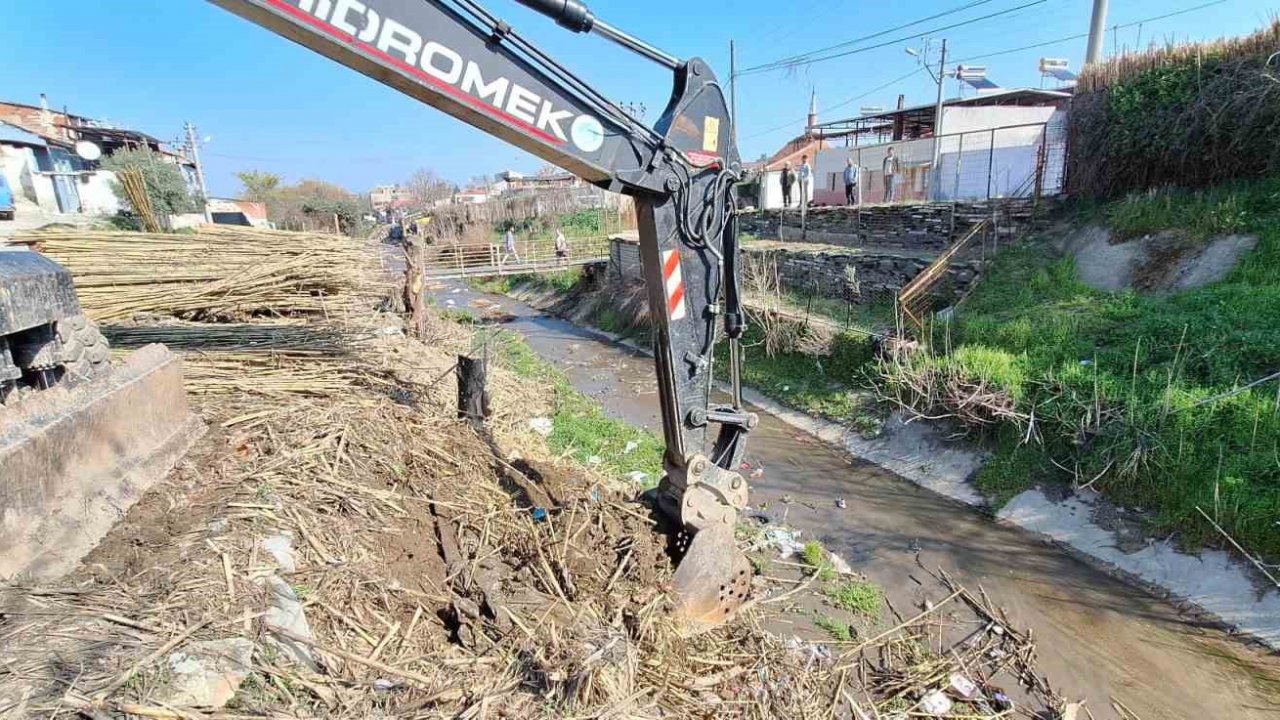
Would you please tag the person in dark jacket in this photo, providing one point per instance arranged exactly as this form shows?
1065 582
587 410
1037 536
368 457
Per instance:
788 181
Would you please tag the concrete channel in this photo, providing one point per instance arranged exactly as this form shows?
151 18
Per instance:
1098 638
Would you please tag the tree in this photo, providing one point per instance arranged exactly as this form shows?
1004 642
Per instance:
166 186
259 186
425 187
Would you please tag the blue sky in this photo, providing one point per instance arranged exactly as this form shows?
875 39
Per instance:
271 105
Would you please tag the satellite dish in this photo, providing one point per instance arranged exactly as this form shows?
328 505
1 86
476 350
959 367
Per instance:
88 150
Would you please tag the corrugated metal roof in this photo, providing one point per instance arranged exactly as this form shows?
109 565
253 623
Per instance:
17 136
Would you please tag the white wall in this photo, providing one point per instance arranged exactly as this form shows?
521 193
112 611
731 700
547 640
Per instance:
771 189
967 119
96 196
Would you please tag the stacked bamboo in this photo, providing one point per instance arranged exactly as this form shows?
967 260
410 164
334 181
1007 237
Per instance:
217 273
135 187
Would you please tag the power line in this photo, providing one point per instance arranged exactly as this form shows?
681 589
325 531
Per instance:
837 46
812 60
840 104
1113 28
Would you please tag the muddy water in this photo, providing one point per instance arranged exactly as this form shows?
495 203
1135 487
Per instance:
1098 639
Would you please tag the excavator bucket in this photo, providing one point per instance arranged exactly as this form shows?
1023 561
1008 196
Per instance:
712 580
75 457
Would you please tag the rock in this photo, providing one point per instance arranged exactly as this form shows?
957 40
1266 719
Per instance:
542 425
286 618
280 548
206 674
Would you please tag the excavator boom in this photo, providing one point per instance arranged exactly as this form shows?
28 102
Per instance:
682 173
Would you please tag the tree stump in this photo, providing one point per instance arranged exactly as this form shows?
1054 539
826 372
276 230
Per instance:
473 394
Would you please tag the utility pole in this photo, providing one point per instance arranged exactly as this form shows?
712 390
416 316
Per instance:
193 145
937 120
733 84
1097 32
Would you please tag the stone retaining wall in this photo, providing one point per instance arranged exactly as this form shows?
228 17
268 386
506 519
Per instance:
919 227
852 275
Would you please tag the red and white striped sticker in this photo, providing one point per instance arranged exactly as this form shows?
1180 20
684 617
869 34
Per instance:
674 280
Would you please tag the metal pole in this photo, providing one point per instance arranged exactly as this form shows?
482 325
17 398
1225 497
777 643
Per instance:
1097 32
194 145
937 121
991 161
733 84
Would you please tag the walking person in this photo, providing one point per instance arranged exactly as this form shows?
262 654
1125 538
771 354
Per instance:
850 183
806 180
509 247
562 247
891 167
788 179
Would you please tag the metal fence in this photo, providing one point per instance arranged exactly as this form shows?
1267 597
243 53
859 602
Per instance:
1027 160
538 255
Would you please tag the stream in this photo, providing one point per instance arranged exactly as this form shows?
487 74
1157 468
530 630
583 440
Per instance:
1098 638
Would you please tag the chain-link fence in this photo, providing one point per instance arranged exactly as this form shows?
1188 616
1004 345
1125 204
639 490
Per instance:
1013 161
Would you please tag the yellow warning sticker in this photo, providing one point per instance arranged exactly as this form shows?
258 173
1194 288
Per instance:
711 134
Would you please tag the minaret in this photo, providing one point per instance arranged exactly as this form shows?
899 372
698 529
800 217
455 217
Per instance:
813 110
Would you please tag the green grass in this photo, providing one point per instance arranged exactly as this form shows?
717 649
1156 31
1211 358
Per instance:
814 556
560 281
1066 351
858 597
581 429
844 632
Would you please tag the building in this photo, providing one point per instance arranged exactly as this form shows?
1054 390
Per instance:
52 159
471 196
996 144
229 211
510 182
384 197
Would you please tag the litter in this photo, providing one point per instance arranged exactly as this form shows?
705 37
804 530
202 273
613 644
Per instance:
630 448
935 703
784 540
840 503
542 425
963 686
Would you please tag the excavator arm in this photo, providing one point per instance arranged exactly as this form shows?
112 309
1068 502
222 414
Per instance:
682 173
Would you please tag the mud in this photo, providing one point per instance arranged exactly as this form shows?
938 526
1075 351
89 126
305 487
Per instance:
1098 638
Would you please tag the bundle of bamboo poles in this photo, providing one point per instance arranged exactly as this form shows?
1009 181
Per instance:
217 273
135 187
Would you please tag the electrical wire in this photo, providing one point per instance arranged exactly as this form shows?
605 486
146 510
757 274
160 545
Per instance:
873 36
778 65
1078 36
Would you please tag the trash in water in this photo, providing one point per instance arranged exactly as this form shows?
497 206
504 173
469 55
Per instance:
757 473
935 703
840 503
839 565
963 686
784 540
539 514
542 425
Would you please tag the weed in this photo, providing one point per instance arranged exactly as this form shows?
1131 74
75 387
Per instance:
844 632
1120 383
815 557
580 427
857 596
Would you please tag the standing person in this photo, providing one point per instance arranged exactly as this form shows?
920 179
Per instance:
509 247
850 183
806 180
788 179
562 247
891 168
